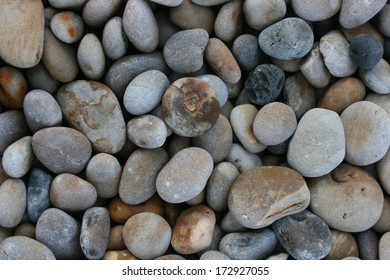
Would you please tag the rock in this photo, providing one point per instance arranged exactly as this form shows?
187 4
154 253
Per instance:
193 230
94 233
383 169
291 65
367 133
90 56
243 159
61 149
252 245
140 25
60 232
214 255
138 180
368 243
6 232
97 12
384 247
348 198
22 39
218 85
147 235
147 131
168 3
383 224
171 257
264 84
294 39
18 157
114 39
177 143
316 10
24 248
39 78
365 51
71 193
318 144
67 4
115 240
262 195
119 255
215 240
93 109
166 27
383 22
13 201
25 229
354 13
230 224
263 13
38 189
209 2
185 175
67 26
304 236
12 127
13 87
343 245
377 78
229 21
314 69
274 123
247 52
382 100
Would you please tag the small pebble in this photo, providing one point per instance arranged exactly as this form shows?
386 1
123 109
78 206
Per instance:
368 245
168 3
383 224
147 131
384 20
39 78
214 255
67 26
280 257
316 10
247 52
18 157
114 39
24 248
13 198
343 245
115 240
218 85
243 159
260 14
354 13
229 21
25 229
314 69
38 189
365 51
90 56
377 79
97 12
12 127
384 247
230 224
13 87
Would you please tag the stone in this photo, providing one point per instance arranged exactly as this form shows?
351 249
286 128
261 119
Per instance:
209 2
94 232
67 4
229 21
219 86
318 144
39 78
384 247
383 22
61 149
343 245
24 248
383 169
13 87
348 198
316 10
69 192
280 257
168 3
368 243
252 245
304 235
287 39
314 69
215 240
354 13
367 133
22 39
138 180
365 51
274 123
41 110
264 84
263 195
97 12
214 255
147 235
185 175
38 189
190 107
260 14
12 127
171 257
92 108
90 56
3 175
25 229
114 39
367 28
382 100
383 224
291 65
147 131
5 232
13 200
377 79
230 224
177 143
18 157
243 159
140 25
193 230
166 27
67 26
119 255
145 92
115 239
247 52
60 232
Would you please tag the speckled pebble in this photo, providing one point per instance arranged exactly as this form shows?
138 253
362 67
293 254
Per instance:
354 13
24 248
67 26
38 189
229 21
13 200
247 52
147 131
384 21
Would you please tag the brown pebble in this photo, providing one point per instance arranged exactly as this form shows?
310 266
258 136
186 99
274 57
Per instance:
343 245
115 241
13 87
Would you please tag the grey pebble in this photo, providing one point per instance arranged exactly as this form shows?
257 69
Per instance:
24 248
382 100
12 127
260 14
166 27
243 159
209 2
67 26
18 157
377 79
114 39
177 143
219 86
39 78
67 4
247 52
368 243
365 51
229 21
90 56
214 255
13 200
38 189
383 20
168 3
384 247
316 10
25 229
147 131
355 13
97 12
215 240
230 224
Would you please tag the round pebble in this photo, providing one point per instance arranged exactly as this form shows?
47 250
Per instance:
316 10
67 26
147 131
168 3
247 52
24 248
355 13
90 56
365 51
114 39
343 245
12 127
13 198
18 157
260 14
384 247
209 2
38 190
13 87
377 79
97 12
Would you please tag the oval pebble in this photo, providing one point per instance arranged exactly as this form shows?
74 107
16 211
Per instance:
38 193
147 131
368 243
67 4
377 79
355 13
13 200
316 10
12 127
260 14
97 12
383 169
13 87
229 21
18 157
115 239
247 52
90 56
384 247
114 39
67 26
24 248
365 51
218 85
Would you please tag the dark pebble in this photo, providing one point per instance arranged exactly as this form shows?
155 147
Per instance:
368 243
365 51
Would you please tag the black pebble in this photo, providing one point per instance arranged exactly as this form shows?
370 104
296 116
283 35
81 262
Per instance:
365 51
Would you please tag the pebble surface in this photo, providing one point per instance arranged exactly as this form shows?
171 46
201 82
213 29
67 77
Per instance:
24 248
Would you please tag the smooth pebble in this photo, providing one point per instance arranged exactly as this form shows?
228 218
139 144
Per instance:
38 190
18 157
13 200
24 248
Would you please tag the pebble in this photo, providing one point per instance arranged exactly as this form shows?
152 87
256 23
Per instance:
147 131
280 257
304 235
114 39
147 235
316 10
348 198
138 180
377 79
215 240
341 94
18 157
39 78
343 245
383 169
274 123
115 239
243 159
253 245
5 232
230 224
260 14
25 229
166 27
314 69
38 189
217 141
21 43
214 255
102 120
61 149
97 12
229 21
13 199
366 28
12 127
247 52
218 85
291 65
318 144
335 50
90 56
41 110
119 255
177 143
209 2
262 195
383 20
383 224
67 26
354 13
168 3
67 4
367 133
60 232
171 257
193 230
94 232
382 100
368 244
13 87
24 248
384 247
366 51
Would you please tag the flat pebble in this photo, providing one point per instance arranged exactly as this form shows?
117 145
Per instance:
318 144
243 159
314 69
219 86
147 235
383 20
94 232
348 198
39 78
354 13
368 242
304 235
114 39
260 14
384 247
262 195
97 12
13 87
383 224
60 232
383 169
367 132
13 198
365 51
252 245
24 248
18 157
247 52
12 127
316 10
67 26
343 245
229 21
90 56
377 79
115 239
214 255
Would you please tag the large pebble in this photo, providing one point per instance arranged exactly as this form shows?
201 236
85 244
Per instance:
377 78
93 109
61 149
314 69
18 157
354 13
38 193
13 199
348 198
384 247
138 180
260 14
318 144
193 230
247 52
185 175
13 87
22 35
60 232
304 236
97 12
229 21
147 235
383 224
12 127
90 56
243 159
24 248
67 26
367 132
316 10
252 245
365 51
262 195
114 39
343 245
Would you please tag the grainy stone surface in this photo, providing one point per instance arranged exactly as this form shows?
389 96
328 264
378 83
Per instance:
384 247
354 13
13 197
12 127
260 14
24 248
38 189
377 79
243 159
90 56
67 26
368 242
18 157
